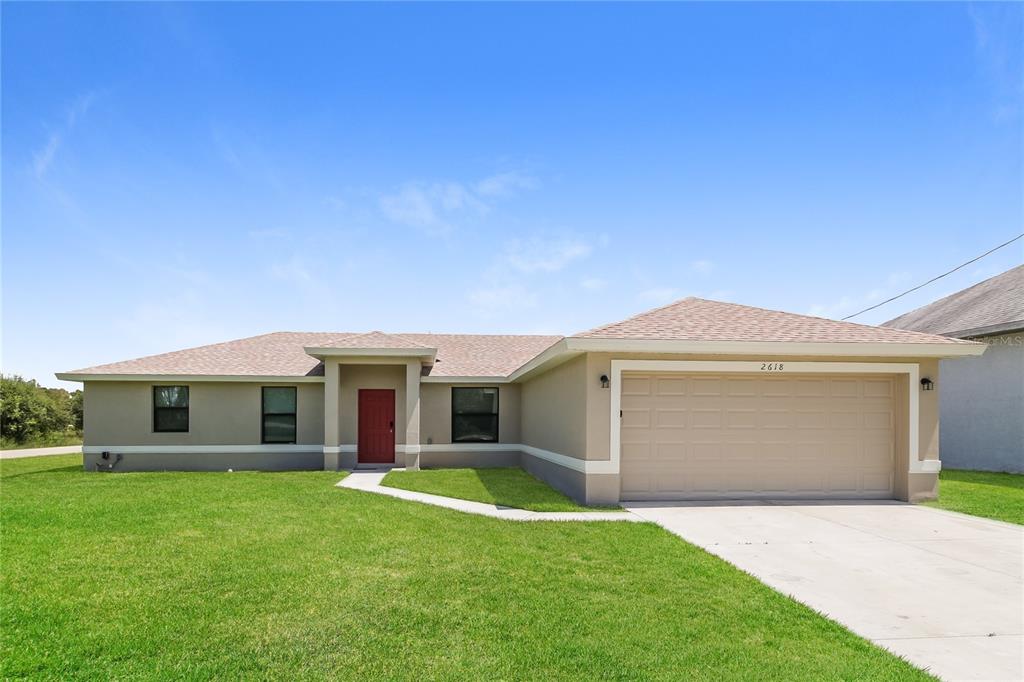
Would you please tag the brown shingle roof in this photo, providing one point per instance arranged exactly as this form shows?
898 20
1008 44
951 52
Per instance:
371 340
498 355
697 319
995 304
282 354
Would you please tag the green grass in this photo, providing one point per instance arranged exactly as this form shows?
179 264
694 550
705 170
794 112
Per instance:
982 493
505 487
284 576
52 440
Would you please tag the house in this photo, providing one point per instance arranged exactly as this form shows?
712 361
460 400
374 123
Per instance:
982 403
694 400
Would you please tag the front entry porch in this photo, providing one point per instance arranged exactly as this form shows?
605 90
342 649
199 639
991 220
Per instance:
372 401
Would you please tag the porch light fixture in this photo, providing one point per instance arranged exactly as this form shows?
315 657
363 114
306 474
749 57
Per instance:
604 381
927 384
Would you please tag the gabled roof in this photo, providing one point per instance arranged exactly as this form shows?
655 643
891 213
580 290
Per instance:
371 340
697 319
991 307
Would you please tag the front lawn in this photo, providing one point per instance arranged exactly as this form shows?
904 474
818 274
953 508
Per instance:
284 576
982 493
505 487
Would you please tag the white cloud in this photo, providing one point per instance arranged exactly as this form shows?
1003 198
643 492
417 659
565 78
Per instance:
292 270
494 300
847 305
43 158
504 184
269 233
436 207
593 283
544 255
702 267
430 207
660 295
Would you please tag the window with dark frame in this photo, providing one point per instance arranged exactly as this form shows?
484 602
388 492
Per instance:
279 410
170 409
474 415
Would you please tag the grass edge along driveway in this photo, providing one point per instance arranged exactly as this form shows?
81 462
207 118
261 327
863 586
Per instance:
285 576
501 486
982 493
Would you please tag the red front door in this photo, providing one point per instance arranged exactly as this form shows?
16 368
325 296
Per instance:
376 426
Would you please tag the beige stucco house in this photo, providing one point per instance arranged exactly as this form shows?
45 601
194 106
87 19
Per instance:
693 400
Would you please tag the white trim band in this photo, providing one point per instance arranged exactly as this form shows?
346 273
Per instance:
199 449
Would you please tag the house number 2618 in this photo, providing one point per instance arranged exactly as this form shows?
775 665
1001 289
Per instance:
771 366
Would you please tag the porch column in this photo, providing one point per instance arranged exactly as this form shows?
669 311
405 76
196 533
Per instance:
332 430
412 414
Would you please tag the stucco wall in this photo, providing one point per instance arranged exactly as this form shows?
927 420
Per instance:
436 412
981 404
220 413
554 409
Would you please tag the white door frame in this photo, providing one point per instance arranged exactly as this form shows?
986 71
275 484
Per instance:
775 368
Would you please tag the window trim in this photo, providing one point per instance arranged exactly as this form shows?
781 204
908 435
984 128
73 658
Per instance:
264 414
496 414
187 408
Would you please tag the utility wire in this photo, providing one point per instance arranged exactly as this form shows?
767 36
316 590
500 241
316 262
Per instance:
935 279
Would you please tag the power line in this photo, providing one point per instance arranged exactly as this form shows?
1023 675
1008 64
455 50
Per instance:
935 279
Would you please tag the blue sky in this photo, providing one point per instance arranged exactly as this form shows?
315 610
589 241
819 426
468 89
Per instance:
175 175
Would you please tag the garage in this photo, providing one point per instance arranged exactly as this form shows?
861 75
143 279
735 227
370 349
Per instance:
732 436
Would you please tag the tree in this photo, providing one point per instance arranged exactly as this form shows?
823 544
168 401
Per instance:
28 410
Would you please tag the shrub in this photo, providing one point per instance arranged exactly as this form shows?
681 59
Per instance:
30 411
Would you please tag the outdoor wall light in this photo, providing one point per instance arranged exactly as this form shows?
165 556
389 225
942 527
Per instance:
604 381
927 384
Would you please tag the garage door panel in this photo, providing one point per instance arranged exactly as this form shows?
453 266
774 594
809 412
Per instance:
636 386
706 418
705 386
776 419
636 452
878 420
670 386
737 388
741 418
725 436
812 388
670 418
636 418
878 388
811 419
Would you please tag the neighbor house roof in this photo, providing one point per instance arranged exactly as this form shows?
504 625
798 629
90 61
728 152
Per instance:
697 319
990 307
713 326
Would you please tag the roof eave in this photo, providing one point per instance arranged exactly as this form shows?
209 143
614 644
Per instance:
189 378
850 349
321 353
988 330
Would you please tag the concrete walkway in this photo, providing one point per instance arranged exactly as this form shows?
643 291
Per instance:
40 452
941 589
369 481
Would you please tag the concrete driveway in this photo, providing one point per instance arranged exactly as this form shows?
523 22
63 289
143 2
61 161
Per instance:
40 452
943 590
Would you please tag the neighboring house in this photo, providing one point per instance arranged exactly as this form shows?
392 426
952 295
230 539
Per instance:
982 404
693 400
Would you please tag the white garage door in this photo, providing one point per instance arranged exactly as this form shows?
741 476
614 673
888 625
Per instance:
697 436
